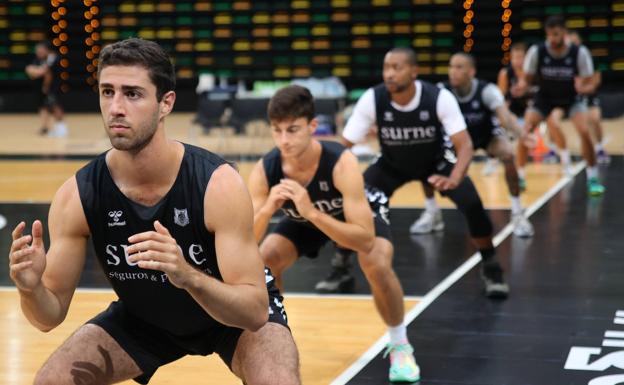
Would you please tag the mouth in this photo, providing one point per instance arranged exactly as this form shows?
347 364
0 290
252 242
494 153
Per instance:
118 128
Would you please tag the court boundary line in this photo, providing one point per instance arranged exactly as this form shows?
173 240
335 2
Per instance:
451 279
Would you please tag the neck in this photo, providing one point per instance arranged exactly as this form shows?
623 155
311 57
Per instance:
305 159
404 97
464 89
156 163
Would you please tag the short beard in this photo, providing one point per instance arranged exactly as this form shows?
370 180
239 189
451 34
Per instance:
399 88
135 145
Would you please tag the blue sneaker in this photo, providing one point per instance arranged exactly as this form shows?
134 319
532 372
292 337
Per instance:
403 366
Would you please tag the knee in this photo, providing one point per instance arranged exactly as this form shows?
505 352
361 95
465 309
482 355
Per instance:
271 377
507 158
46 376
376 266
272 258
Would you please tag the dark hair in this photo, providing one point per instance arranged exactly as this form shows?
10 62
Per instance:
554 21
519 46
471 59
411 55
45 44
291 102
144 53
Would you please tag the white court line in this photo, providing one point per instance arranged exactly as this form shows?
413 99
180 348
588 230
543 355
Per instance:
441 287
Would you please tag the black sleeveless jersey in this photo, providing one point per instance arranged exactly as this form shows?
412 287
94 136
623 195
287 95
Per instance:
556 75
516 105
324 195
112 218
480 120
411 142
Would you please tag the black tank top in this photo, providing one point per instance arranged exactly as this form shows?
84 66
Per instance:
516 105
411 142
556 75
324 195
479 118
112 218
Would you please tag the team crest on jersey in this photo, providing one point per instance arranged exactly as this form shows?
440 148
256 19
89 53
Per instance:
388 117
424 115
568 61
547 60
180 217
115 215
475 104
323 185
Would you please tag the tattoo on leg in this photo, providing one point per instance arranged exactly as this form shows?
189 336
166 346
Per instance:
87 373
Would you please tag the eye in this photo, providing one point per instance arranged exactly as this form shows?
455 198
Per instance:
107 92
133 95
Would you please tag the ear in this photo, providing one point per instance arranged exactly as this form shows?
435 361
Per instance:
414 72
312 125
166 104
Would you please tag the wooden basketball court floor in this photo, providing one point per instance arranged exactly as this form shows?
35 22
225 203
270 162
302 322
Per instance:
460 337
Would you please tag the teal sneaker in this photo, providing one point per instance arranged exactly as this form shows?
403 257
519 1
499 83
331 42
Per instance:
594 187
403 366
522 183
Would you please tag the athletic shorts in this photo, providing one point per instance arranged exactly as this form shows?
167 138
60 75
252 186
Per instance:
544 106
593 101
483 141
387 179
308 240
152 347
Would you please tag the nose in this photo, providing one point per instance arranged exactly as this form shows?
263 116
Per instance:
117 105
284 138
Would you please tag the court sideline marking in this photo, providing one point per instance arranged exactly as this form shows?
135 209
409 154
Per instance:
447 282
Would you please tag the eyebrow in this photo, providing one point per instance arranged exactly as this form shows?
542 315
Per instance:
123 88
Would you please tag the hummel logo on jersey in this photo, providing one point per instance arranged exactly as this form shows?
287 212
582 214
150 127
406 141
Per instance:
323 185
475 104
568 61
388 117
115 215
424 115
180 217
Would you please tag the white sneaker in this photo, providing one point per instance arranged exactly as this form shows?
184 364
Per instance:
59 130
428 222
567 170
521 226
490 167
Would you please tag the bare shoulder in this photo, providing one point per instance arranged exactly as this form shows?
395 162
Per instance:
347 174
66 211
347 162
226 197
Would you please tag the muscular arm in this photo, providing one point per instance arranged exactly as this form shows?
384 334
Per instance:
262 210
241 300
503 81
361 120
46 305
266 201
357 232
463 148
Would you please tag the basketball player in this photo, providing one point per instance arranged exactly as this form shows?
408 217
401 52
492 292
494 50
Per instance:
594 113
45 73
320 190
413 118
172 229
485 112
563 72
